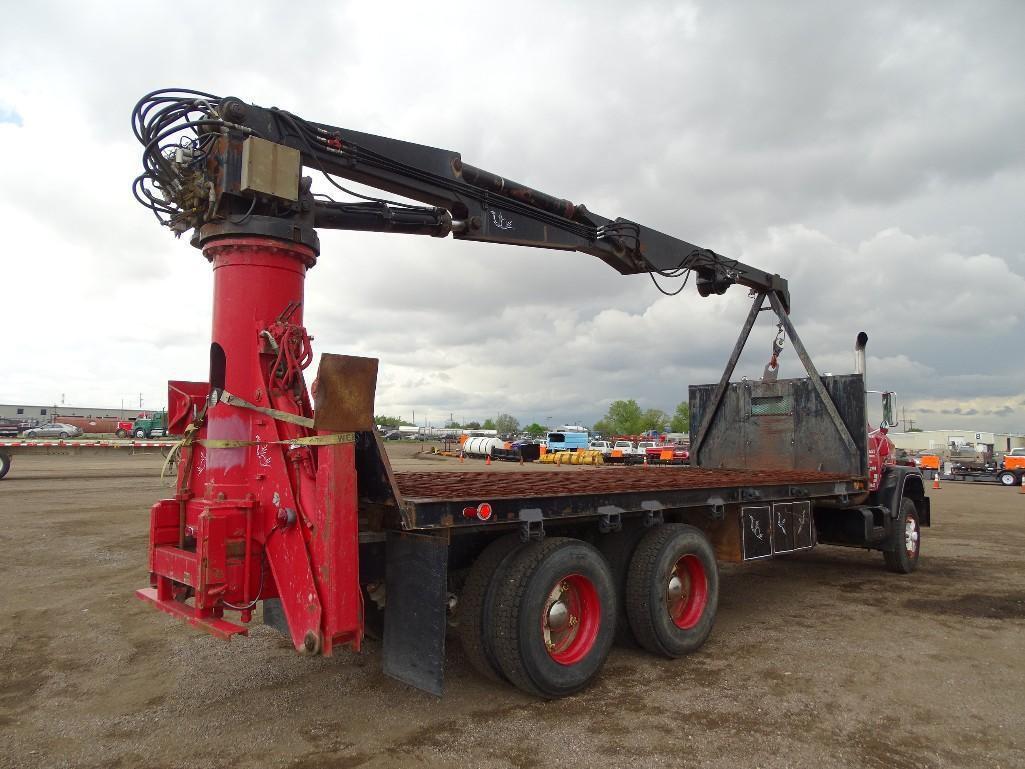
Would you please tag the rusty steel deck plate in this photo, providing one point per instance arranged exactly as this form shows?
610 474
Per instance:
416 486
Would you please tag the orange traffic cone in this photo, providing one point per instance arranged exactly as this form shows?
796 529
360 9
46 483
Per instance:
461 459
935 480
487 461
1021 485
521 459
645 459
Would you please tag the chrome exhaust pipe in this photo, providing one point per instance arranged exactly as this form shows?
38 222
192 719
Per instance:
859 353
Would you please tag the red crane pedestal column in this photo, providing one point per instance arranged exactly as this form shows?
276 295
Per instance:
256 515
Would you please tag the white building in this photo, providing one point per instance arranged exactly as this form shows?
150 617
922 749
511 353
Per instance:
934 440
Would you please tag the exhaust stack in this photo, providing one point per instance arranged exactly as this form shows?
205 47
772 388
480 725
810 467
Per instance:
859 354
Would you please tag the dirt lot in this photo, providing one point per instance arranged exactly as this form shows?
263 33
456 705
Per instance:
818 660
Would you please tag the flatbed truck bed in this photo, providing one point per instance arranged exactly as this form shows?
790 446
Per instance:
1001 477
74 446
444 499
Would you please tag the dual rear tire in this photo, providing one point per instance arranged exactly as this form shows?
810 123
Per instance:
543 616
672 590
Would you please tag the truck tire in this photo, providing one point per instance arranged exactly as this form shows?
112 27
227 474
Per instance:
618 548
672 590
1007 478
903 559
555 611
140 433
122 433
5 464
476 605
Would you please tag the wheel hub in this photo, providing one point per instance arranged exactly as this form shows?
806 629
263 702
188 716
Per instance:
674 592
686 592
911 536
570 620
558 616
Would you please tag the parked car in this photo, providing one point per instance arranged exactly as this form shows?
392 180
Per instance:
53 430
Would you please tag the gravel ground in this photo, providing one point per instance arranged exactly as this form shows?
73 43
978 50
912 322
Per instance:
822 659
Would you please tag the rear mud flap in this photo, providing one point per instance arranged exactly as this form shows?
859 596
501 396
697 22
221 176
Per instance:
416 610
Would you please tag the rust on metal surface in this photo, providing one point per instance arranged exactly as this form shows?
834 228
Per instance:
483 485
344 393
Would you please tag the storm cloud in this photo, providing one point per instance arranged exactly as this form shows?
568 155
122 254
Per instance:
872 154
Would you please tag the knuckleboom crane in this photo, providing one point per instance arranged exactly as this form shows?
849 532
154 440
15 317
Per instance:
241 172
278 486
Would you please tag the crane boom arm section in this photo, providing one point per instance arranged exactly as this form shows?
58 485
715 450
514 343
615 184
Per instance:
231 168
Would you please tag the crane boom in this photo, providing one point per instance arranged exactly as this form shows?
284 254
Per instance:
216 165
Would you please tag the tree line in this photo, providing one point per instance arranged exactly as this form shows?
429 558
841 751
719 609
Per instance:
624 417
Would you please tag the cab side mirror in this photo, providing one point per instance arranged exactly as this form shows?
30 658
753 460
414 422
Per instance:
889 410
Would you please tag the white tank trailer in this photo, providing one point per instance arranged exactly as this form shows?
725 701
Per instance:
480 447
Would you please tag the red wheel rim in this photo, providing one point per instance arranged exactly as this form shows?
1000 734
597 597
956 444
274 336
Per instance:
570 619
687 591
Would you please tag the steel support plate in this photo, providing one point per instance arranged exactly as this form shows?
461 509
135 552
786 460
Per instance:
415 613
343 393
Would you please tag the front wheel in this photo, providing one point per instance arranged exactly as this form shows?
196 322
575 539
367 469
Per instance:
1007 478
122 433
672 590
555 617
140 434
5 464
907 540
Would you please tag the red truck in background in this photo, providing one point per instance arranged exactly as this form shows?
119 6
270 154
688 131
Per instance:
668 453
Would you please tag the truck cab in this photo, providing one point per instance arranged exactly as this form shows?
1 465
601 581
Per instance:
1014 459
152 426
625 448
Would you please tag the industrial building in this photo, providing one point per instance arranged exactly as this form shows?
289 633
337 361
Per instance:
933 440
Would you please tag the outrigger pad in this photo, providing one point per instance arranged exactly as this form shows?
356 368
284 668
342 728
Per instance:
343 393
415 611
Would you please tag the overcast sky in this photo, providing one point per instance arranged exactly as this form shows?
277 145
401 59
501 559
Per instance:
873 154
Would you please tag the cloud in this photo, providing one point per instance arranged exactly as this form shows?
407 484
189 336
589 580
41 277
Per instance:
1003 411
872 156
9 115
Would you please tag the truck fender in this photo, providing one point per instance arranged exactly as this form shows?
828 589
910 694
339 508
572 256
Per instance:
901 481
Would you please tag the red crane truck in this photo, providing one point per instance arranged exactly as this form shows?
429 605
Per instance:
285 496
